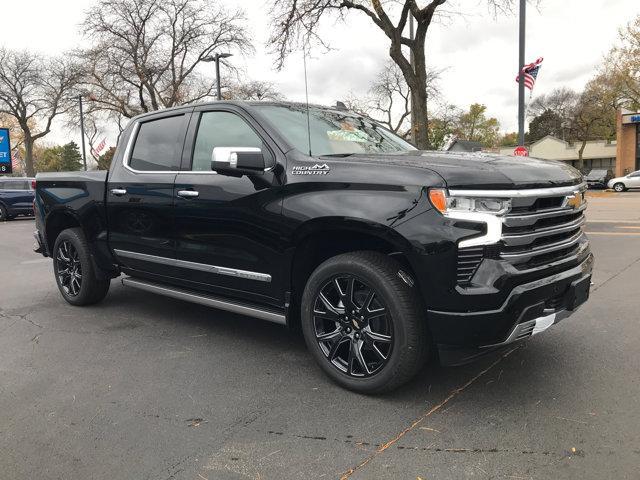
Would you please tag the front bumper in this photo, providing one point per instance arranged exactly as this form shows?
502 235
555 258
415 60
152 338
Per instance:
530 309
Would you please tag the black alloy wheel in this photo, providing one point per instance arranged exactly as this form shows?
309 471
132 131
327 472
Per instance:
79 280
69 268
364 323
352 326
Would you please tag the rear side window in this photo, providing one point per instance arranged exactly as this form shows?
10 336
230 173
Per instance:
158 145
15 185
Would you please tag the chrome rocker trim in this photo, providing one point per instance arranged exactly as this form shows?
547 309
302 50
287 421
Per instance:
203 267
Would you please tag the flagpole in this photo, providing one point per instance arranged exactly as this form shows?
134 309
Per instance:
523 7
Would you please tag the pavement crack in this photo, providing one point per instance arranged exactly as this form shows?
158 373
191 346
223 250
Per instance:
381 449
616 275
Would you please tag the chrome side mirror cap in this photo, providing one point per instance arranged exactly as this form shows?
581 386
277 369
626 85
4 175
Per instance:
237 158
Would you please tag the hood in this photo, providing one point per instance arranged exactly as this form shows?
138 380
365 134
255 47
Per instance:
481 170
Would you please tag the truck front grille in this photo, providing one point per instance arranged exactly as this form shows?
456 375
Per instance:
533 236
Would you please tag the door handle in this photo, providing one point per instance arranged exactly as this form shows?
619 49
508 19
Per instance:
118 192
188 193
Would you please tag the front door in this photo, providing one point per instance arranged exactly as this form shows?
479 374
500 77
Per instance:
140 195
227 227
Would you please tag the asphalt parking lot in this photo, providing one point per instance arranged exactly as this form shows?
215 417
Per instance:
144 387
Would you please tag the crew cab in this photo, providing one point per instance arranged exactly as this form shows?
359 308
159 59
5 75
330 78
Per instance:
16 197
321 219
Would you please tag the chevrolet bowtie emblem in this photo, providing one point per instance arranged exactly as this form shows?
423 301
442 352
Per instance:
574 201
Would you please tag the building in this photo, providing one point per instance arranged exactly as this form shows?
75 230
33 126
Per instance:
598 154
628 148
464 146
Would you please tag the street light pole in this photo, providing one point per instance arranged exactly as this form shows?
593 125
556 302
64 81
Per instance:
523 14
84 153
216 58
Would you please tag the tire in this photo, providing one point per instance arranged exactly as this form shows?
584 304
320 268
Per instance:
619 187
399 332
74 270
4 216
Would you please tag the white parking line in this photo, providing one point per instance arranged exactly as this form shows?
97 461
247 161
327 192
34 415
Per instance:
37 260
627 234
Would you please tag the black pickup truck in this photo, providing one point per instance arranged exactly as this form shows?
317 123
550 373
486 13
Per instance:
320 218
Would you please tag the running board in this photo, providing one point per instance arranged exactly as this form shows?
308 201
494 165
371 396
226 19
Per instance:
203 299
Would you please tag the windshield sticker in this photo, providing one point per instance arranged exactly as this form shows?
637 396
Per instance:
353 135
317 169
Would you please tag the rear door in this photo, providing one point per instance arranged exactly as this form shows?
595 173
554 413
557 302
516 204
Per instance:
228 227
140 194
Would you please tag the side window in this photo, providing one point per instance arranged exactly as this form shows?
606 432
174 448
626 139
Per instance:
224 129
158 145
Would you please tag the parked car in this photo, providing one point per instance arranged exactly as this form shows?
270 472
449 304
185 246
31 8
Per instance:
598 178
319 218
16 197
621 184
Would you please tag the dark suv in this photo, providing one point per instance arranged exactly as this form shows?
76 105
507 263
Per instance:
16 197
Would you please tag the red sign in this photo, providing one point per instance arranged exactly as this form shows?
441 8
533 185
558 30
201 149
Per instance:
521 151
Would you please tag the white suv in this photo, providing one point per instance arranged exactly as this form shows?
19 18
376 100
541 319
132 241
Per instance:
620 184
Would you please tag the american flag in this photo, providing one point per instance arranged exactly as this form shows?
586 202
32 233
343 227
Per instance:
530 73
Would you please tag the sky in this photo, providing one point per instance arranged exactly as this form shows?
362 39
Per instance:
477 52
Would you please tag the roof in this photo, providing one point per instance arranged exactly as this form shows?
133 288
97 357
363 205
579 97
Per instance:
467 145
241 103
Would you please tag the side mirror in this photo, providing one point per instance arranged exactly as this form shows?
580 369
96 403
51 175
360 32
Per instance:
237 161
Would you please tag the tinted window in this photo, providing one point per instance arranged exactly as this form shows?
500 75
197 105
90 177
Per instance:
224 129
635 174
15 185
332 132
158 145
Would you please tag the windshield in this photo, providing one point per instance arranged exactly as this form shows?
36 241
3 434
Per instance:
331 132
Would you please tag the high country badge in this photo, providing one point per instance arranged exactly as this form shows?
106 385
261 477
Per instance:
316 169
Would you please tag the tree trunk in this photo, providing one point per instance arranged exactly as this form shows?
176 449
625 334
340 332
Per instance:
29 166
580 154
420 125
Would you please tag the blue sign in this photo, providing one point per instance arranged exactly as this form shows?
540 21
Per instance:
635 118
5 151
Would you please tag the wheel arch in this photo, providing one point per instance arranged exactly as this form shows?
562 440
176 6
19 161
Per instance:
56 222
320 239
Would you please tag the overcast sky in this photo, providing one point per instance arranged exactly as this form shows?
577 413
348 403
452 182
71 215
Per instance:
479 53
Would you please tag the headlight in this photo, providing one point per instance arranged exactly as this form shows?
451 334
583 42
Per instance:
446 204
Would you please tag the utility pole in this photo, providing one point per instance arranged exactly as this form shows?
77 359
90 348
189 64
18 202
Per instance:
523 15
84 153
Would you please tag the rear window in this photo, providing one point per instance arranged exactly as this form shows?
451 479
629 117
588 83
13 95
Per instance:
158 145
14 185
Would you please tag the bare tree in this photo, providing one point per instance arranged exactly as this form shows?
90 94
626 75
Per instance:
253 90
295 23
146 53
35 90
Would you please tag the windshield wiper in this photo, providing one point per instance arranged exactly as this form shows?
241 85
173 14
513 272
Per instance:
337 155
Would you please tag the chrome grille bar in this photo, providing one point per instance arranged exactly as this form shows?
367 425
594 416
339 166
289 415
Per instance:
518 239
552 247
530 219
